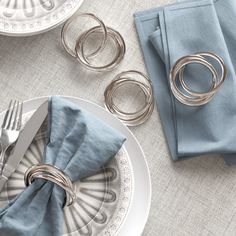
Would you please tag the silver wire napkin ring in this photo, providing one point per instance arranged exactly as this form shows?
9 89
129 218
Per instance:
79 51
52 174
183 92
144 83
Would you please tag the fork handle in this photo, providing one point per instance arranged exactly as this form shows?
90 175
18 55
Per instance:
3 181
6 172
2 159
1 167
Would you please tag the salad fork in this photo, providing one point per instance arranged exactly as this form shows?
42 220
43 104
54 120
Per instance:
10 129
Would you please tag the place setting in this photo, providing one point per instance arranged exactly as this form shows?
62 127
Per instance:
74 168
102 203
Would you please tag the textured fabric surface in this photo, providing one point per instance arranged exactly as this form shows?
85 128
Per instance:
79 144
191 131
194 197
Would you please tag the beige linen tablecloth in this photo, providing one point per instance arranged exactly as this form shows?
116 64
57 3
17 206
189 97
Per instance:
194 197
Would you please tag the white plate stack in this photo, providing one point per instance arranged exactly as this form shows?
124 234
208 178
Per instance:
29 17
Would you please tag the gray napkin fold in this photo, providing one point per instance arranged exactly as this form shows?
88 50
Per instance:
170 32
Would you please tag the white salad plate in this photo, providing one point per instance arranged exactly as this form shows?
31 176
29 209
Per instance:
29 17
114 202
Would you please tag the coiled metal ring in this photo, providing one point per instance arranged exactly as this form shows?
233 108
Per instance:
185 94
65 43
144 83
79 48
53 174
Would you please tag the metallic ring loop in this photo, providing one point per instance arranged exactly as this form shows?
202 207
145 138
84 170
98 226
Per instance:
71 51
143 82
185 98
120 49
188 89
52 174
106 32
188 96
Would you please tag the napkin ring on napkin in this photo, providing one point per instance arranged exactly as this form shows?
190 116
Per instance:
53 174
78 51
188 96
143 82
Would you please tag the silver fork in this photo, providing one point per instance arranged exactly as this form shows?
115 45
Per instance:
10 128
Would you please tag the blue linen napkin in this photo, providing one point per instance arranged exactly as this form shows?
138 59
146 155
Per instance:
80 144
170 32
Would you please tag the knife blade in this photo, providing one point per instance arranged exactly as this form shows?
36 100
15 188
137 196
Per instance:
25 139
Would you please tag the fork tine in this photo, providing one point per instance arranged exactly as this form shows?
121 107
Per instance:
15 120
20 117
11 114
7 115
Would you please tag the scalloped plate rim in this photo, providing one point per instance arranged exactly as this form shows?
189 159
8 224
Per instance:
42 29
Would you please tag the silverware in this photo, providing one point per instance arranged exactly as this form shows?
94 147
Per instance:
25 139
10 128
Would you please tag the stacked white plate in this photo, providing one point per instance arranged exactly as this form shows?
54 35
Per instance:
28 17
115 201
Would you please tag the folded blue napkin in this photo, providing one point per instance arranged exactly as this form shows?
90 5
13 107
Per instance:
80 144
170 32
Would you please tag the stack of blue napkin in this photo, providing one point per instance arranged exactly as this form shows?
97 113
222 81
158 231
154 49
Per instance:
188 27
79 144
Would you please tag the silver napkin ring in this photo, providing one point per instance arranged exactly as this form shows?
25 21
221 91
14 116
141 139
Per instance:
144 83
183 92
71 51
106 32
52 174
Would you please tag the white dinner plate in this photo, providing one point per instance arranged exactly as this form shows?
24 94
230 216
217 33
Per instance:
127 194
29 17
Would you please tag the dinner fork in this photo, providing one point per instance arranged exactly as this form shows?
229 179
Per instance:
10 129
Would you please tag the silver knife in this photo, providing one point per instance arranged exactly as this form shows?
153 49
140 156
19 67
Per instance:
25 139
